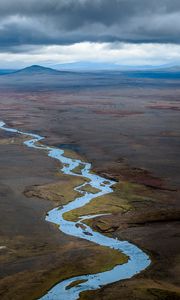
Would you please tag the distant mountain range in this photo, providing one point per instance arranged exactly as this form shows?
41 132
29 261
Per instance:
40 72
40 78
90 66
87 67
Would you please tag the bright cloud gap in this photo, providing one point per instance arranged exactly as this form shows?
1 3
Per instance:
115 53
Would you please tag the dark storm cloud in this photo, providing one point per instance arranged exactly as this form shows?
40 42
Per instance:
68 21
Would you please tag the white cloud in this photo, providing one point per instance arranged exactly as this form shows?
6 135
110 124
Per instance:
119 53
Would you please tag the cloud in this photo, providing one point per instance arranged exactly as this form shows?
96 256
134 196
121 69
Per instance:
133 30
47 22
117 53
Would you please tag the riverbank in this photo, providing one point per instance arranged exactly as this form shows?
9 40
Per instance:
131 259
148 217
34 254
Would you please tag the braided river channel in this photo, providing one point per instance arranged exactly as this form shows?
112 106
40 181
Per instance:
137 259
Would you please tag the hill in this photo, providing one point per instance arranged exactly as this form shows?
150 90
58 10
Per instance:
36 69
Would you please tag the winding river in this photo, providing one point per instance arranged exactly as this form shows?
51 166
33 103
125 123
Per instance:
137 259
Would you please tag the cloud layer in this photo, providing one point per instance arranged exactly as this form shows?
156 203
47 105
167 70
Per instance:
28 26
116 53
69 21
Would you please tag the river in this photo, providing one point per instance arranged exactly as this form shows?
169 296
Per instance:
137 259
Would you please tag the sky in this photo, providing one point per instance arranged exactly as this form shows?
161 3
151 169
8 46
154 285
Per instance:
122 32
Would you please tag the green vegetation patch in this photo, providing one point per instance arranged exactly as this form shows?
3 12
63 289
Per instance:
72 154
123 199
78 169
111 203
61 191
89 189
99 259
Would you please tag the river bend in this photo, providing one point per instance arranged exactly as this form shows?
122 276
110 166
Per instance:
137 259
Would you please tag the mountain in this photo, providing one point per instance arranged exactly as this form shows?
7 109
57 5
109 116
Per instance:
37 77
36 69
